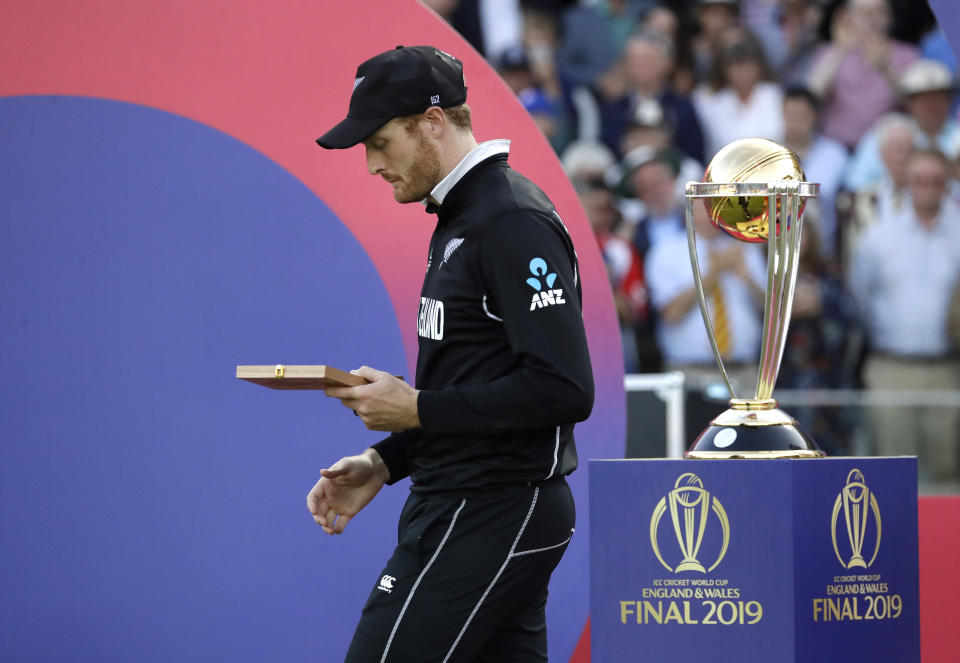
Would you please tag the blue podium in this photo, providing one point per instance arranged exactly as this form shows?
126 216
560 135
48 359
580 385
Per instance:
754 561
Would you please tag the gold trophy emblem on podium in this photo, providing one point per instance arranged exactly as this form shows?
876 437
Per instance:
754 191
857 502
689 506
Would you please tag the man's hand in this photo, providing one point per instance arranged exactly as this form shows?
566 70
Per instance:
728 259
722 260
807 302
877 53
386 404
345 488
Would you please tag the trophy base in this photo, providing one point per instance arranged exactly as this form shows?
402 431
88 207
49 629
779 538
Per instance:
754 429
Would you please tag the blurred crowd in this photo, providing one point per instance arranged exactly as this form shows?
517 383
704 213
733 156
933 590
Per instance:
636 96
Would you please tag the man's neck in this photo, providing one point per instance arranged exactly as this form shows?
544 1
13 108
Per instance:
800 144
647 91
931 133
743 94
662 212
461 143
927 216
457 162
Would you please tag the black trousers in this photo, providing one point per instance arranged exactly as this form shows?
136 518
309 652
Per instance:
468 579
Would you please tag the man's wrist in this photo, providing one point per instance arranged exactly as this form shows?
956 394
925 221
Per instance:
416 408
380 470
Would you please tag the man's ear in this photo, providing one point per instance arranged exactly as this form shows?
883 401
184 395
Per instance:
436 121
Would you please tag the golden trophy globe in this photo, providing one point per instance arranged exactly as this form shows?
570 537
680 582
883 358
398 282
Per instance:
754 191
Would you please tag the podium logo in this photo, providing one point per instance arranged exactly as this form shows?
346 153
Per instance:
691 508
857 502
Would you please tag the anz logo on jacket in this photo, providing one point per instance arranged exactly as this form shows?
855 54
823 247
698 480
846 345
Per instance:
543 298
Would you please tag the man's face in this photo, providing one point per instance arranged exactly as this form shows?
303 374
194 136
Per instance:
701 220
715 17
928 181
598 203
870 16
895 151
799 118
743 75
517 79
405 158
643 136
645 64
930 109
656 186
662 20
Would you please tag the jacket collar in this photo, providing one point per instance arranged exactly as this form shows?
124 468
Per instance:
474 157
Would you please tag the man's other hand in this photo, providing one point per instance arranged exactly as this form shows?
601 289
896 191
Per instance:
345 488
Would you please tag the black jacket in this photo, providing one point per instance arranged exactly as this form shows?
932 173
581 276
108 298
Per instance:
503 366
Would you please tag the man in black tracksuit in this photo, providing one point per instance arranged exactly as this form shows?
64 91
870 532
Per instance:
503 373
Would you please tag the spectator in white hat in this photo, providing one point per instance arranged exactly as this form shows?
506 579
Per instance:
927 87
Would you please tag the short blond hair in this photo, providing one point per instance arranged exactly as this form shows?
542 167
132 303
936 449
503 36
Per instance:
459 116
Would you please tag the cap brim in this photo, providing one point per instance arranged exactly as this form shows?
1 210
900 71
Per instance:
349 132
949 89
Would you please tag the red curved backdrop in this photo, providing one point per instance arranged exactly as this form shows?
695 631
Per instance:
276 74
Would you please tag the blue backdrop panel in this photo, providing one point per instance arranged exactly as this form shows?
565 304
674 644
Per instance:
948 17
754 561
151 505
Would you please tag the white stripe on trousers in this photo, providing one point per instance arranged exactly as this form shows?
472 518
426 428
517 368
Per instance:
413 589
533 503
556 545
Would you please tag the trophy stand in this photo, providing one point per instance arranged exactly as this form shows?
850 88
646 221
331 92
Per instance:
755 427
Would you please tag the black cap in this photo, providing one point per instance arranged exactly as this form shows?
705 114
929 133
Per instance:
402 81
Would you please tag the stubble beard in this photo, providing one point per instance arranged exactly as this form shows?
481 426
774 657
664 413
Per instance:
423 175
